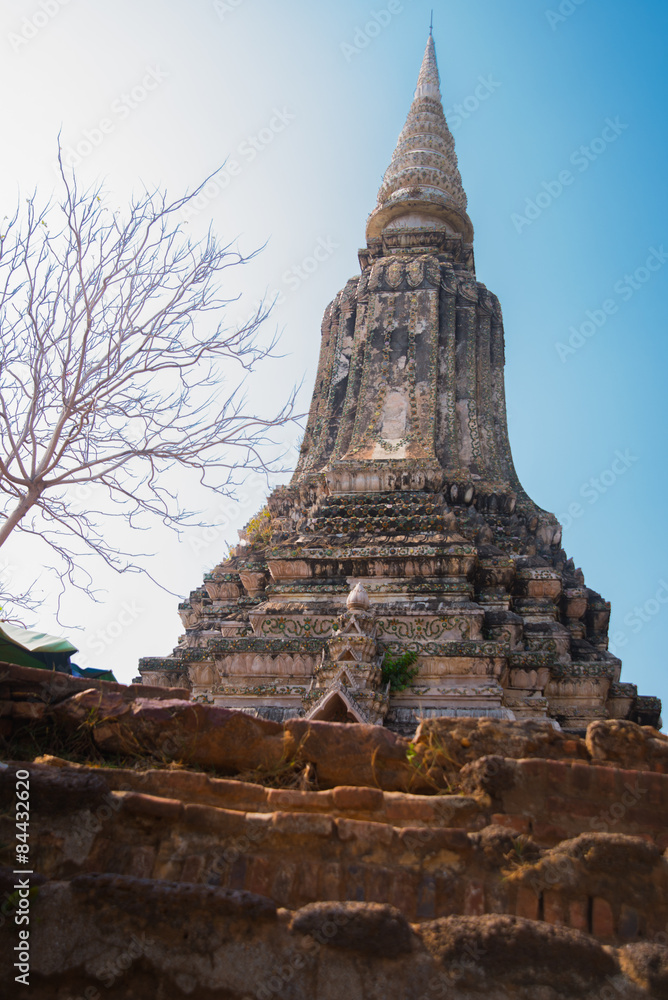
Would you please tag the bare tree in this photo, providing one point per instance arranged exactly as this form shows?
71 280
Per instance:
113 354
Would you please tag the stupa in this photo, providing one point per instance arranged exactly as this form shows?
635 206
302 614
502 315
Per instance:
404 573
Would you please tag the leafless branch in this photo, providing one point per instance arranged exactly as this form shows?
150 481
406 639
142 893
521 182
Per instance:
117 365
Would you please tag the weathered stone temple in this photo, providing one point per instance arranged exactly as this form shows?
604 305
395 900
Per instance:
405 529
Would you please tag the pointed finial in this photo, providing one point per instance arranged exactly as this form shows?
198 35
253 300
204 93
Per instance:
422 187
431 25
428 80
358 598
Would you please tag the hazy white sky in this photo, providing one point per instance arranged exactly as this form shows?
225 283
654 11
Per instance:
303 102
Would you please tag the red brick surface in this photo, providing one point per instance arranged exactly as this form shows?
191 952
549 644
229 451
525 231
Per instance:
527 903
603 921
519 824
554 907
578 914
474 898
152 805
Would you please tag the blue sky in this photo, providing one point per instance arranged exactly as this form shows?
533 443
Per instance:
308 100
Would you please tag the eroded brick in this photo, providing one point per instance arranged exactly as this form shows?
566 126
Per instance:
554 907
526 903
629 923
578 913
603 921
152 805
519 824
357 799
474 898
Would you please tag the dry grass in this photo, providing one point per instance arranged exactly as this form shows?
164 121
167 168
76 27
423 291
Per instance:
289 772
434 765
49 737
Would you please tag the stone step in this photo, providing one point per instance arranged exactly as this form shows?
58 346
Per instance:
346 802
468 860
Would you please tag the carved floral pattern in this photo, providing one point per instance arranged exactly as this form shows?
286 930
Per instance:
424 629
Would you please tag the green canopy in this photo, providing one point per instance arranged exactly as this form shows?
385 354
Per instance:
34 642
9 653
28 648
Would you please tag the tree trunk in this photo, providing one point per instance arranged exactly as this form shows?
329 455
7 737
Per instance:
17 515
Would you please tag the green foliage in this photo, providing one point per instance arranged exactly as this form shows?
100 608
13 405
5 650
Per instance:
399 670
258 529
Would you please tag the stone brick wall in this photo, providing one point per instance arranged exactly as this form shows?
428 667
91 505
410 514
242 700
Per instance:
527 864
428 856
26 693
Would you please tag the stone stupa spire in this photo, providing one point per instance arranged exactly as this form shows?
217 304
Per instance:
405 529
422 187
411 364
